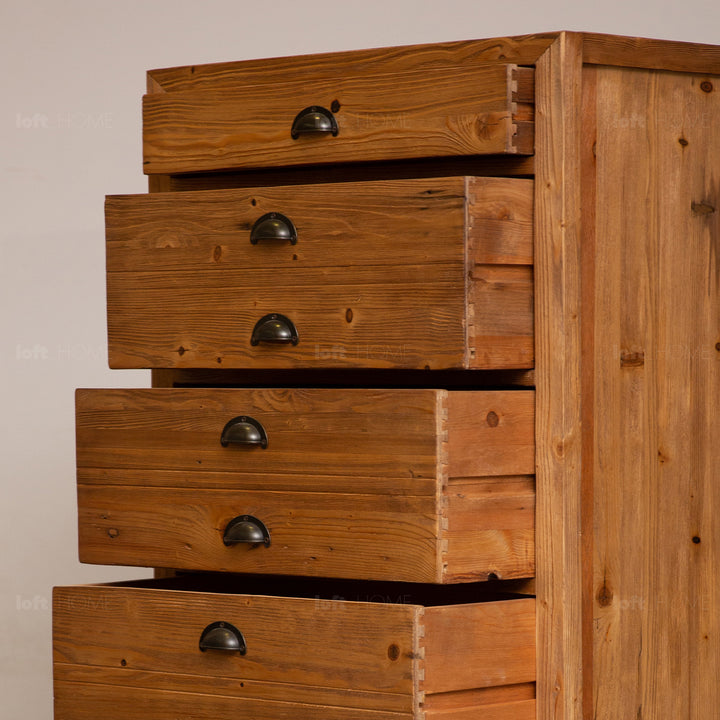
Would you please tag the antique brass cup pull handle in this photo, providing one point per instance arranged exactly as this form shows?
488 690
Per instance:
246 529
274 329
222 636
314 120
273 226
244 430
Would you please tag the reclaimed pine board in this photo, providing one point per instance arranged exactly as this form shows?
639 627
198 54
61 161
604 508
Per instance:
657 358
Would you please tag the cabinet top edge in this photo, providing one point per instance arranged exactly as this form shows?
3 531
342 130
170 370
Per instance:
598 49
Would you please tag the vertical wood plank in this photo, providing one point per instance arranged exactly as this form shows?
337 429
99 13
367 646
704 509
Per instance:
588 259
657 588
558 367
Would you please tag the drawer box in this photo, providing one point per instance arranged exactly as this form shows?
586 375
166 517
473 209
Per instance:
364 652
418 485
431 273
471 109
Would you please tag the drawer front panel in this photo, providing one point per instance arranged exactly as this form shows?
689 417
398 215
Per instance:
375 117
420 485
317 534
378 656
395 274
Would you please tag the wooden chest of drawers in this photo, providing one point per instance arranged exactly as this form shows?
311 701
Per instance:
423 323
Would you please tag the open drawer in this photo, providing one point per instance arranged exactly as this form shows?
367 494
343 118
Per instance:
197 120
417 485
413 274
203 648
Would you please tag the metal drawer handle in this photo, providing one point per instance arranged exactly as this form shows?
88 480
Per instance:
243 430
275 329
246 529
314 120
222 636
273 226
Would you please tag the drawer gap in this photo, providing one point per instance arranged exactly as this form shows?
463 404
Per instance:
330 589
487 166
347 378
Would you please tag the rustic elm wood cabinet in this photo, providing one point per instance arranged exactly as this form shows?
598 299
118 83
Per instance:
433 431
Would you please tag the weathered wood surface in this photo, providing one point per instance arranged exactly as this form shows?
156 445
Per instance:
521 50
326 644
479 645
382 658
377 278
558 376
616 50
379 117
353 483
656 594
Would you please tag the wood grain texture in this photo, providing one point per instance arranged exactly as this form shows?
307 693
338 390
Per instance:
490 433
350 485
377 223
615 50
514 710
88 701
245 690
464 700
656 587
368 659
312 534
521 50
500 649
558 396
377 278
379 117
323 644
495 520
500 221
342 441
356 434
500 317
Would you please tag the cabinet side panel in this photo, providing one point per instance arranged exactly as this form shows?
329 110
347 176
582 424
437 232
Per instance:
657 326
558 371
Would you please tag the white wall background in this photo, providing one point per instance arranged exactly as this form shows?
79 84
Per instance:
72 78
